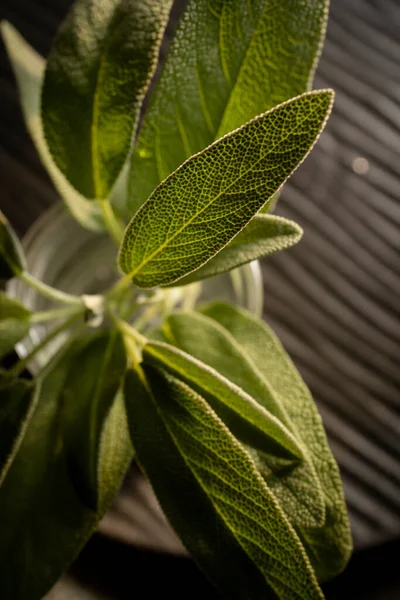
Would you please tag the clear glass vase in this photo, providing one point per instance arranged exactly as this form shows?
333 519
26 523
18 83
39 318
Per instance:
62 254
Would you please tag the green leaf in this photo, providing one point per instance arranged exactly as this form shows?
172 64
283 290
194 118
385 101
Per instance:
212 493
296 487
94 394
250 422
17 403
101 64
29 68
264 235
14 323
329 547
12 259
230 61
201 207
47 517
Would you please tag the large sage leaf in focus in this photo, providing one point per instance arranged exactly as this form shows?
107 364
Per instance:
244 416
17 401
28 67
295 485
212 493
98 71
328 547
207 201
263 236
76 440
230 61
12 259
14 323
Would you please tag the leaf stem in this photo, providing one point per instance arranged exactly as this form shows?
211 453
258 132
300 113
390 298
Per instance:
112 223
128 330
20 366
48 291
146 316
121 285
58 313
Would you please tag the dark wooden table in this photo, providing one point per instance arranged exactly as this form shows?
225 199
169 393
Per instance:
334 298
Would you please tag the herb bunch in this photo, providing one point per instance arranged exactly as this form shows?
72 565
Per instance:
203 396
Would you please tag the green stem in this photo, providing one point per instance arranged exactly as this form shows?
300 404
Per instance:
121 285
112 223
48 315
146 316
49 291
129 331
20 366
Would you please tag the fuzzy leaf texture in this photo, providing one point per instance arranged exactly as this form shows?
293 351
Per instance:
212 493
17 403
45 492
230 61
247 420
101 64
12 259
296 485
328 547
14 323
263 236
206 202
28 67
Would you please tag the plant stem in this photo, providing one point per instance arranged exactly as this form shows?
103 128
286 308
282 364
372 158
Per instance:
132 339
128 330
20 366
112 223
121 285
146 316
57 313
48 291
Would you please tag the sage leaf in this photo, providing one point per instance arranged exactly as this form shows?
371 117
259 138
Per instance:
12 259
250 422
329 547
41 495
296 486
104 369
230 61
263 236
28 67
212 493
203 205
14 323
17 403
101 63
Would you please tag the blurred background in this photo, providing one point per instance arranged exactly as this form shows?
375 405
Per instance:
333 299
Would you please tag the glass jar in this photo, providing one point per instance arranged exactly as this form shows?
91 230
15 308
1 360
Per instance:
63 255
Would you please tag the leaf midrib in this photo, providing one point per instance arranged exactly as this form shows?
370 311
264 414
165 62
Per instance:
95 112
234 86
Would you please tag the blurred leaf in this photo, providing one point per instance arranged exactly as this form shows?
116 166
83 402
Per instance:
201 207
12 259
48 519
14 323
264 235
213 494
329 547
28 67
251 423
230 61
101 64
18 399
